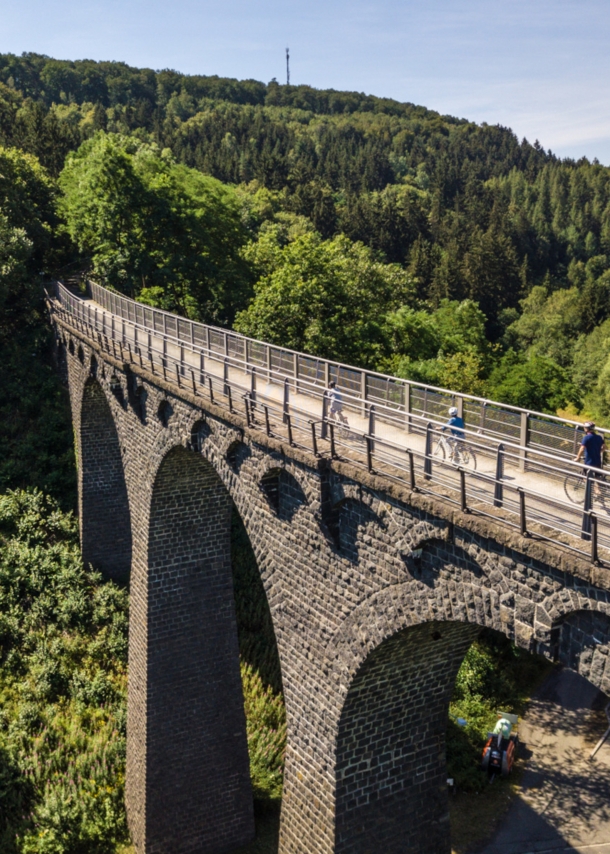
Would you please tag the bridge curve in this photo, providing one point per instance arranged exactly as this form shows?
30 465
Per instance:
376 586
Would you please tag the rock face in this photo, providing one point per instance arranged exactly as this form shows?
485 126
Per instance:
375 591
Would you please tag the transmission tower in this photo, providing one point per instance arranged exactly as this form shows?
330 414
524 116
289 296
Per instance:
287 67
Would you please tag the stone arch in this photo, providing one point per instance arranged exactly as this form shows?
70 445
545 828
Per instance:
347 521
164 412
236 455
104 513
581 641
186 712
200 431
283 492
390 767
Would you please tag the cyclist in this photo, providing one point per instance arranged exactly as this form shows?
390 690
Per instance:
456 426
592 447
335 412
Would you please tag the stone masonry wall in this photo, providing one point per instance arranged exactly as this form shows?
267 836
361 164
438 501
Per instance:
391 774
104 509
349 562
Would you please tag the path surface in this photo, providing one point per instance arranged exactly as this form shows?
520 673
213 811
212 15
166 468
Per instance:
564 805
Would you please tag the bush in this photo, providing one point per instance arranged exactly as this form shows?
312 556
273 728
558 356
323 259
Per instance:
63 667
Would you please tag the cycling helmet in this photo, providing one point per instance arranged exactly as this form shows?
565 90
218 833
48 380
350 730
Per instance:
453 411
589 425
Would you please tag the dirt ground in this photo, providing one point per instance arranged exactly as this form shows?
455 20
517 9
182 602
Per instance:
559 800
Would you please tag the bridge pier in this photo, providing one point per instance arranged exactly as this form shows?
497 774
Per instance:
188 782
390 777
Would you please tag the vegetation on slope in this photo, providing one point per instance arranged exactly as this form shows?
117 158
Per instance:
355 227
63 669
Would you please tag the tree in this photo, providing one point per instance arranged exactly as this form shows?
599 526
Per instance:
323 297
154 228
536 383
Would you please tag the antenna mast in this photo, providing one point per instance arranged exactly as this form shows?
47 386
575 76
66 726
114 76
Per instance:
287 67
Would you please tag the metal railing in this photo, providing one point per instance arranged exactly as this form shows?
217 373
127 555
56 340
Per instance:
525 486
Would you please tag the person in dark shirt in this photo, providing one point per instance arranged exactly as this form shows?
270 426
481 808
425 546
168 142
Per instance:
592 447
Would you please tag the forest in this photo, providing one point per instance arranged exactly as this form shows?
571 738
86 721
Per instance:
378 233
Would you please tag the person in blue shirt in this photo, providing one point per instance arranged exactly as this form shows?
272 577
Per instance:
456 427
592 448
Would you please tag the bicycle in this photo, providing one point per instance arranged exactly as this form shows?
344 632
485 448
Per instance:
341 423
456 452
574 487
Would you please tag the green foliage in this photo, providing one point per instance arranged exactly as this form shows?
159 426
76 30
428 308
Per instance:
35 428
260 670
63 671
494 676
324 297
266 730
537 383
155 228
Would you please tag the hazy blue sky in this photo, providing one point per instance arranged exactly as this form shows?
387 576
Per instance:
541 67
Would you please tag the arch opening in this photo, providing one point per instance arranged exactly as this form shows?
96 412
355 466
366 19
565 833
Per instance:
105 520
390 783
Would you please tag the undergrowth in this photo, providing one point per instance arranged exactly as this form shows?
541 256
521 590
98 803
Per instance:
495 676
63 656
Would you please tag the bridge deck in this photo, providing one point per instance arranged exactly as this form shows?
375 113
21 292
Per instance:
492 473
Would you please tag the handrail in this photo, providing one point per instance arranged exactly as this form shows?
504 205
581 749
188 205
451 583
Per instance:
120 305
291 418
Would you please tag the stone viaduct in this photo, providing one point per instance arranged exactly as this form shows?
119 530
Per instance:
375 592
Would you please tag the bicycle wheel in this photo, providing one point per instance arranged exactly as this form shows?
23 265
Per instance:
574 488
466 457
439 451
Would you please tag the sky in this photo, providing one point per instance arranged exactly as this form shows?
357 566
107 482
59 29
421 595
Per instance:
541 67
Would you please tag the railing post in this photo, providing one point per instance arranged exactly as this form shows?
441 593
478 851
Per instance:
586 512
499 487
267 425
363 392
523 438
428 452
407 388
211 388
253 385
459 405
463 504
286 399
230 398
522 518
201 368
323 426
247 406
333 450
314 440
295 368
594 555
289 428
225 372
178 375
372 421
193 381
268 363
369 453
411 471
